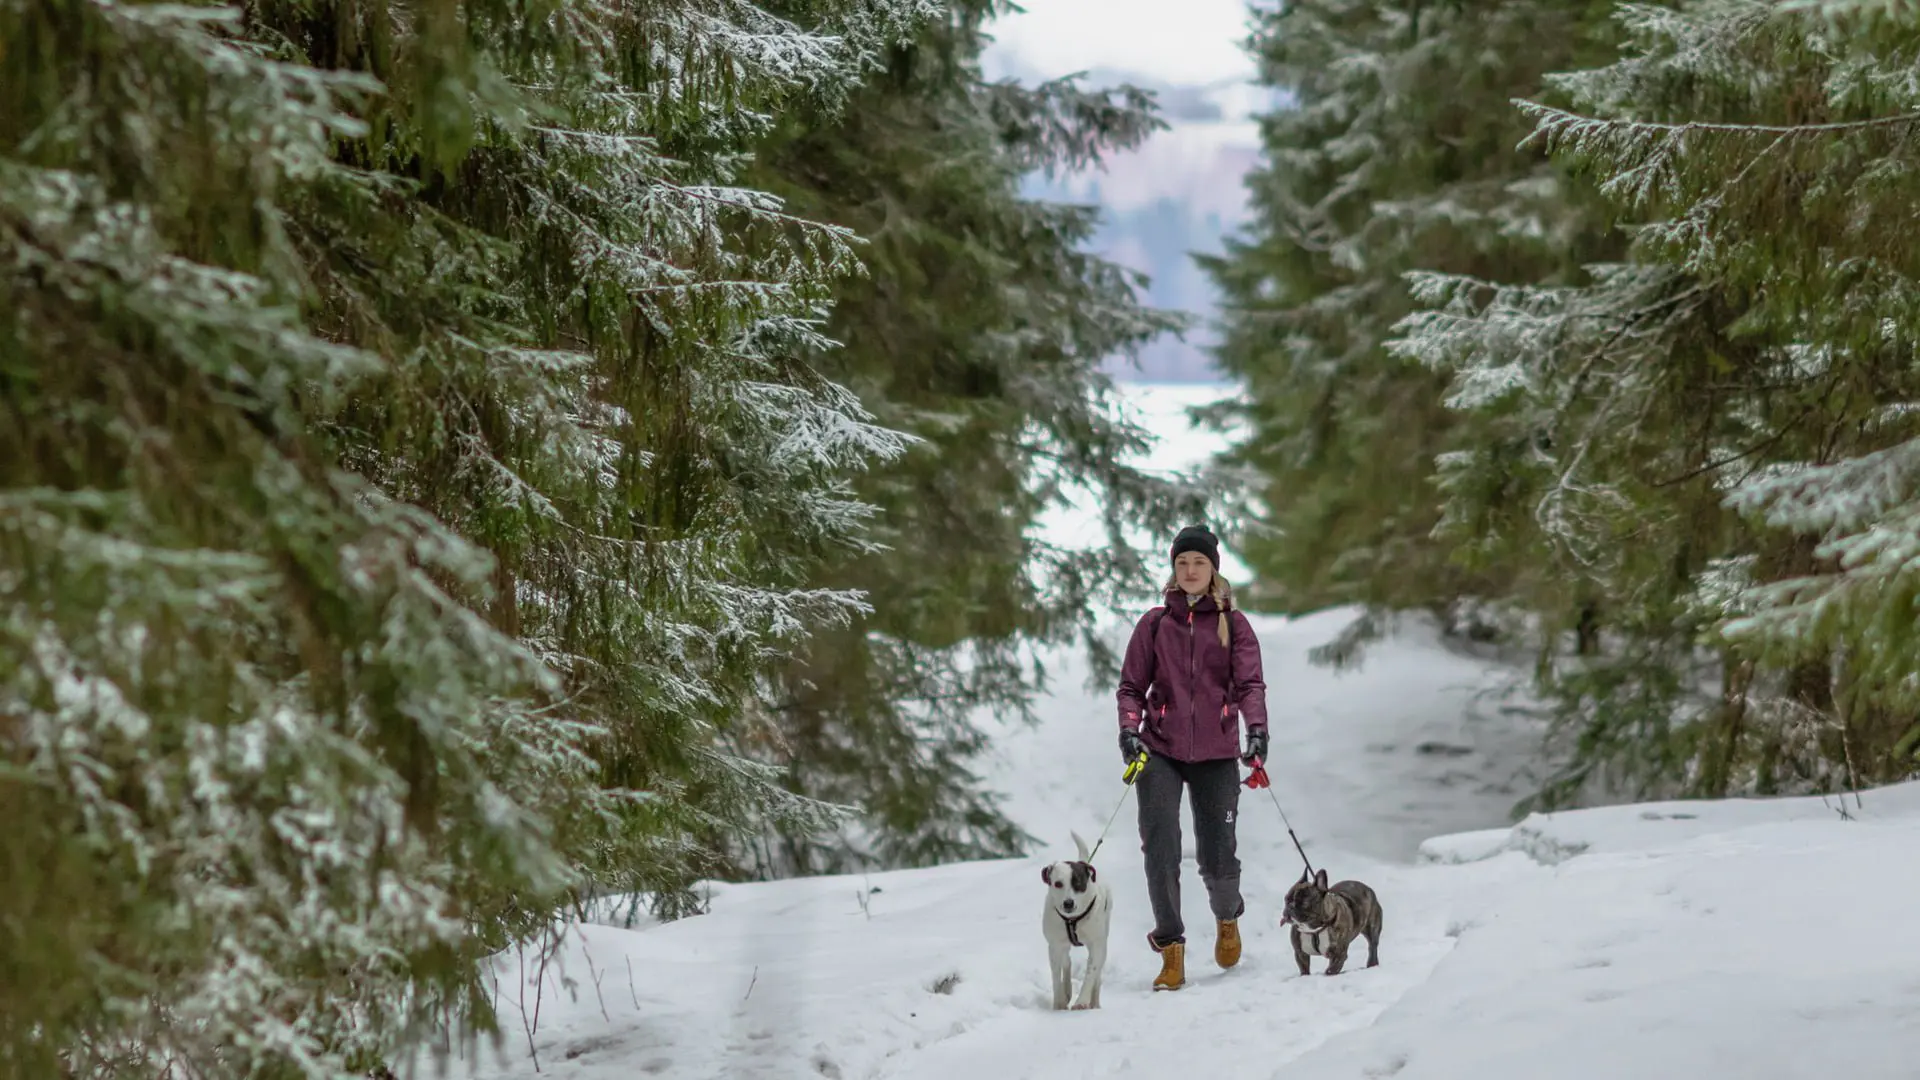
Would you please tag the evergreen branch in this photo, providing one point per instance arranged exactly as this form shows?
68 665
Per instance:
761 205
1554 121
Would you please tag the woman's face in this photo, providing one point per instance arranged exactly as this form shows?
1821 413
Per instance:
1192 572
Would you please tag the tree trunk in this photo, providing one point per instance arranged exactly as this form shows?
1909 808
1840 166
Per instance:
1718 772
505 611
1587 630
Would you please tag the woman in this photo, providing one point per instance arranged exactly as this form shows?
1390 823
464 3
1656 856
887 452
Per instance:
1191 674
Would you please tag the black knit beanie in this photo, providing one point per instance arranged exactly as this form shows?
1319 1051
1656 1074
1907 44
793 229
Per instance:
1197 538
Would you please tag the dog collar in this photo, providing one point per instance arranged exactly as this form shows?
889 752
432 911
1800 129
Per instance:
1073 925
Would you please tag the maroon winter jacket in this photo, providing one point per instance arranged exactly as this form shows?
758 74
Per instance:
1176 675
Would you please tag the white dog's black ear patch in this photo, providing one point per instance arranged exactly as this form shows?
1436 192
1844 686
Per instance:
1082 875
1046 874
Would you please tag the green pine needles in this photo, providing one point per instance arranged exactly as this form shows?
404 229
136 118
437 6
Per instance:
1727 412
411 456
462 462
981 329
1393 154
1680 449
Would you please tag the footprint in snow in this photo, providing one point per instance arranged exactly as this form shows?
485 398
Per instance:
589 1046
1393 1065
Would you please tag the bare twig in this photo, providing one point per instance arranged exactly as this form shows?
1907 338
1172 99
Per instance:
751 982
520 1003
547 950
1853 776
1723 462
596 979
631 992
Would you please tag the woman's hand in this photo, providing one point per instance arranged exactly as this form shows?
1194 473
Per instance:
1130 745
1256 746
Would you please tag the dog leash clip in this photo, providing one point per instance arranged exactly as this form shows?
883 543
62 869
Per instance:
1133 769
1259 777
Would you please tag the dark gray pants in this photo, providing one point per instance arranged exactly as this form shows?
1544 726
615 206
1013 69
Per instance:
1213 794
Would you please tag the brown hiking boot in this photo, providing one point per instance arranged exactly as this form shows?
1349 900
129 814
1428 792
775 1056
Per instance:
1226 947
1173 967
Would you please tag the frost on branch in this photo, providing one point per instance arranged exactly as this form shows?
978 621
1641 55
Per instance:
1865 511
410 484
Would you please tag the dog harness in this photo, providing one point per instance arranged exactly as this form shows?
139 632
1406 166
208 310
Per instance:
1073 924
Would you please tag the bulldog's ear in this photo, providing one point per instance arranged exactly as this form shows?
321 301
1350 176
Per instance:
1046 874
1320 878
1303 877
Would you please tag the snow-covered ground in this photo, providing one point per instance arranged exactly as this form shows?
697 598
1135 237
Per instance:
1180 448
1756 939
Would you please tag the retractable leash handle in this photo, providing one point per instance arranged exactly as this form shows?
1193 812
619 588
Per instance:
1258 778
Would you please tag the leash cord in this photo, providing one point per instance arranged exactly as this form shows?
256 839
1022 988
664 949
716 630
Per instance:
1127 778
1289 825
1259 773
1133 771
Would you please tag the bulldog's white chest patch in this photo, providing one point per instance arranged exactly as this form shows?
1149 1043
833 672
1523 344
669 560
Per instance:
1314 944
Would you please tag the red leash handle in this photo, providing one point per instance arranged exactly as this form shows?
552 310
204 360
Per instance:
1259 777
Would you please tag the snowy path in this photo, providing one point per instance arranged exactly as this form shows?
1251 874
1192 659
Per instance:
1366 767
1255 1016
797 979
1767 939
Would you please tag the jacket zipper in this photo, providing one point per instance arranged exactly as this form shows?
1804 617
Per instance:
1193 681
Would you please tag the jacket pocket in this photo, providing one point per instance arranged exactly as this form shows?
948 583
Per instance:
1153 714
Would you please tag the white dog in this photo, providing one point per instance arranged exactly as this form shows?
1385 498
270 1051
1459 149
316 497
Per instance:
1078 912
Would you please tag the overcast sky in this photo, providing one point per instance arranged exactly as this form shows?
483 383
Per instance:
1179 192
1181 41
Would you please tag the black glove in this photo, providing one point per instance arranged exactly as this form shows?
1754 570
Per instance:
1256 746
1130 745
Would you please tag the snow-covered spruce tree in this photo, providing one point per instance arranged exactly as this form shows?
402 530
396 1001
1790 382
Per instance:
980 328
239 710
1396 151
1720 423
658 514
411 457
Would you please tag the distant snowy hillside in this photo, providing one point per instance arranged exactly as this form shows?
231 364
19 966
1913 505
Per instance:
1162 409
